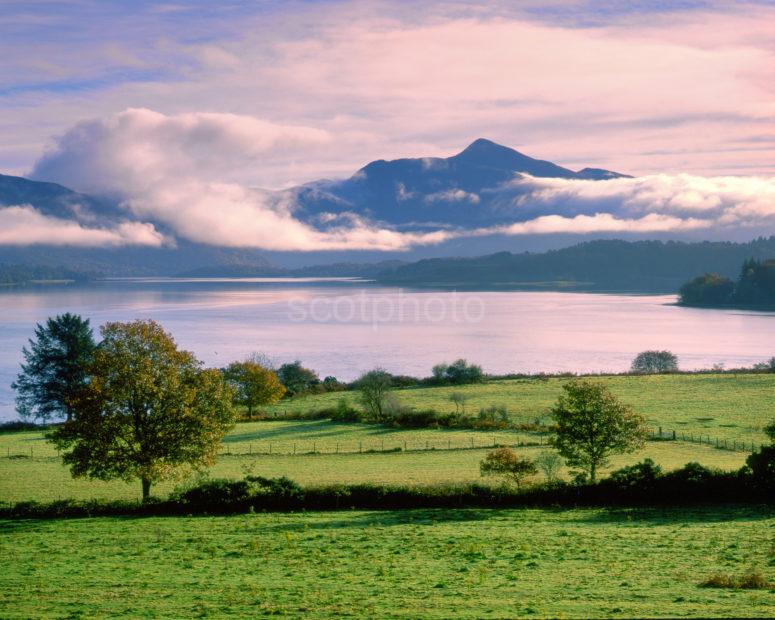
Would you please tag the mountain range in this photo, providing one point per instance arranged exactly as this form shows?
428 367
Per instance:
468 190
475 188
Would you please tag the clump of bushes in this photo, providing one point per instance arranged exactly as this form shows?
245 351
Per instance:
459 372
495 416
752 579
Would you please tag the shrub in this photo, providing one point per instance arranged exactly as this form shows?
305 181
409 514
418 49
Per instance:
719 580
768 366
344 412
753 579
332 384
505 462
642 476
549 462
459 372
411 418
762 466
495 416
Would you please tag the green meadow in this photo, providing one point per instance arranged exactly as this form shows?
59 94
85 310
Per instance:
472 563
728 406
421 563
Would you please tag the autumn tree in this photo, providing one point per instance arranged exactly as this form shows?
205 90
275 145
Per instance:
504 462
55 367
253 384
591 424
148 410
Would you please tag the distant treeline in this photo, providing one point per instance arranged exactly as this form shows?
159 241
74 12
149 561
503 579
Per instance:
755 286
615 265
24 274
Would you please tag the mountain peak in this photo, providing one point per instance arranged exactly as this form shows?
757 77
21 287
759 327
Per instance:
483 146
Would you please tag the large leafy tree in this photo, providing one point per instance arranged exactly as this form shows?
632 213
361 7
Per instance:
55 367
253 385
591 424
148 411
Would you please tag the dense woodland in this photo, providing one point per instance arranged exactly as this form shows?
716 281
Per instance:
23 274
641 266
755 286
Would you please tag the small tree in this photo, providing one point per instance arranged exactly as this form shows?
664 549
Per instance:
253 385
55 367
459 399
374 388
591 424
458 372
504 462
296 378
549 462
147 411
651 362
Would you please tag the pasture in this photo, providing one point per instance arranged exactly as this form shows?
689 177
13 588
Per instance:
462 563
732 406
45 478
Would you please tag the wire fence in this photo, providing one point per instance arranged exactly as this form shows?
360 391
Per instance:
264 448
735 445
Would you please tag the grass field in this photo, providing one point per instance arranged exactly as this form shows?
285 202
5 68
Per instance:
46 478
728 406
734 407
461 563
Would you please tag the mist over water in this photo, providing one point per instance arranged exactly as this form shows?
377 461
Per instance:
345 327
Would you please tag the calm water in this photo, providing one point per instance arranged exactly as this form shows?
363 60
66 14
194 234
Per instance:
343 327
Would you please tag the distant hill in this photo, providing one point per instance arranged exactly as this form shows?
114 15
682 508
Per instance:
605 265
467 189
25 274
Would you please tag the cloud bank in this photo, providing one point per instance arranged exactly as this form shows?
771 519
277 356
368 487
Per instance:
24 225
177 171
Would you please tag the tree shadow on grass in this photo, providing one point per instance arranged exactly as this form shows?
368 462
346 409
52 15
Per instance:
309 431
364 519
676 515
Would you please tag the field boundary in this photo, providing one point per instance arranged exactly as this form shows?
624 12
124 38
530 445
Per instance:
302 448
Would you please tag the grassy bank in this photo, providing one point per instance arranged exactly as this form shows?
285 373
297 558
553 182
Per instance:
475 563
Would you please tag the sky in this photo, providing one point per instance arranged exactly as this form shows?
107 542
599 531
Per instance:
186 107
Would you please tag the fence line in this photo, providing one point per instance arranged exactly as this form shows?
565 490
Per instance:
660 434
260 448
